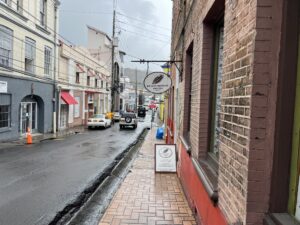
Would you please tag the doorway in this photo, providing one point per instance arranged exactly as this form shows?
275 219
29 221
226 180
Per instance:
29 114
64 110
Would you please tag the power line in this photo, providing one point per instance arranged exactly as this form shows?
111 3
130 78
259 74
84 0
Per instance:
168 36
154 25
42 51
144 36
159 50
86 12
139 58
35 66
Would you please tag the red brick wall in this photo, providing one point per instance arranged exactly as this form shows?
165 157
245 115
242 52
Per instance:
263 107
249 94
248 102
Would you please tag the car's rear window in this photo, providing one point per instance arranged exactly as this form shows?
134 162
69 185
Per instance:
99 116
131 115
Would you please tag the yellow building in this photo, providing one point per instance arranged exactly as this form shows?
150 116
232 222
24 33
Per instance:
28 66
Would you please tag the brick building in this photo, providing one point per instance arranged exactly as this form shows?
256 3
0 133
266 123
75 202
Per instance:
234 110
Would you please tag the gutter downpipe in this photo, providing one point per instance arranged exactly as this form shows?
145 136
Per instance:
55 88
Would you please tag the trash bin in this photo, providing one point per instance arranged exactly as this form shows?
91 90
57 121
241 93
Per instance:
160 133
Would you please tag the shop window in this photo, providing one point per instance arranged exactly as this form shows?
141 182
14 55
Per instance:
30 48
77 78
6 46
48 61
5 109
216 88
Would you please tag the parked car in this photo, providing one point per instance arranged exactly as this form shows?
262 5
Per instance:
99 120
141 112
117 116
128 119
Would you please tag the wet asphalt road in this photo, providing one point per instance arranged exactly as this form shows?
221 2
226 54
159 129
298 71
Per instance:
38 181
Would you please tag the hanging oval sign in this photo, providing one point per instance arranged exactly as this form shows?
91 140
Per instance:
157 82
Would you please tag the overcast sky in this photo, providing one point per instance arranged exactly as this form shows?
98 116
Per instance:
143 26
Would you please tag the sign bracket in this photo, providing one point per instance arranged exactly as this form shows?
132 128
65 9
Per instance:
142 61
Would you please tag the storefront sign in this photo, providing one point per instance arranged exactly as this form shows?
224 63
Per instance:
165 158
157 82
3 87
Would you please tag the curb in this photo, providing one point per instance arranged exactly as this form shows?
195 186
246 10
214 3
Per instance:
90 205
4 145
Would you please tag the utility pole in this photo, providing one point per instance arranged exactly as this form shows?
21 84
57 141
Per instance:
136 90
113 62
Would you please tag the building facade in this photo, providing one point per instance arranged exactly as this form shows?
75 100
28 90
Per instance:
83 86
28 61
233 110
100 46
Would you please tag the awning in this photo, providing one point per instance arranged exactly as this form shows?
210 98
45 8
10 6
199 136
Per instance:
91 73
68 99
79 68
100 76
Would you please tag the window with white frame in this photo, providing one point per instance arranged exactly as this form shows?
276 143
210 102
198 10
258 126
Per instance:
43 5
48 61
77 108
5 109
7 2
6 46
29 55
19 5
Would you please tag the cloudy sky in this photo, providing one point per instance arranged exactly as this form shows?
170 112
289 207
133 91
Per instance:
143 26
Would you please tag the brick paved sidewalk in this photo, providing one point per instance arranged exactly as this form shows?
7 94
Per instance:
148 198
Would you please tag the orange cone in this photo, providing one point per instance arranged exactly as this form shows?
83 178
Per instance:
28 136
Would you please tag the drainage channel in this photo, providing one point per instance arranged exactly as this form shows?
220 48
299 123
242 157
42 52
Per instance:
89 206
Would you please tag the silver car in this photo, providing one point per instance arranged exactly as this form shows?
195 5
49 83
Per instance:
128 119
98 120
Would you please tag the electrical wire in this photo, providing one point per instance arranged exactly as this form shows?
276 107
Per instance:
138 27
35 66
144 36
42 51
81 12
140 20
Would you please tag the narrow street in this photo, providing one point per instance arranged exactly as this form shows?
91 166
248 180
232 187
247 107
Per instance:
37 181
